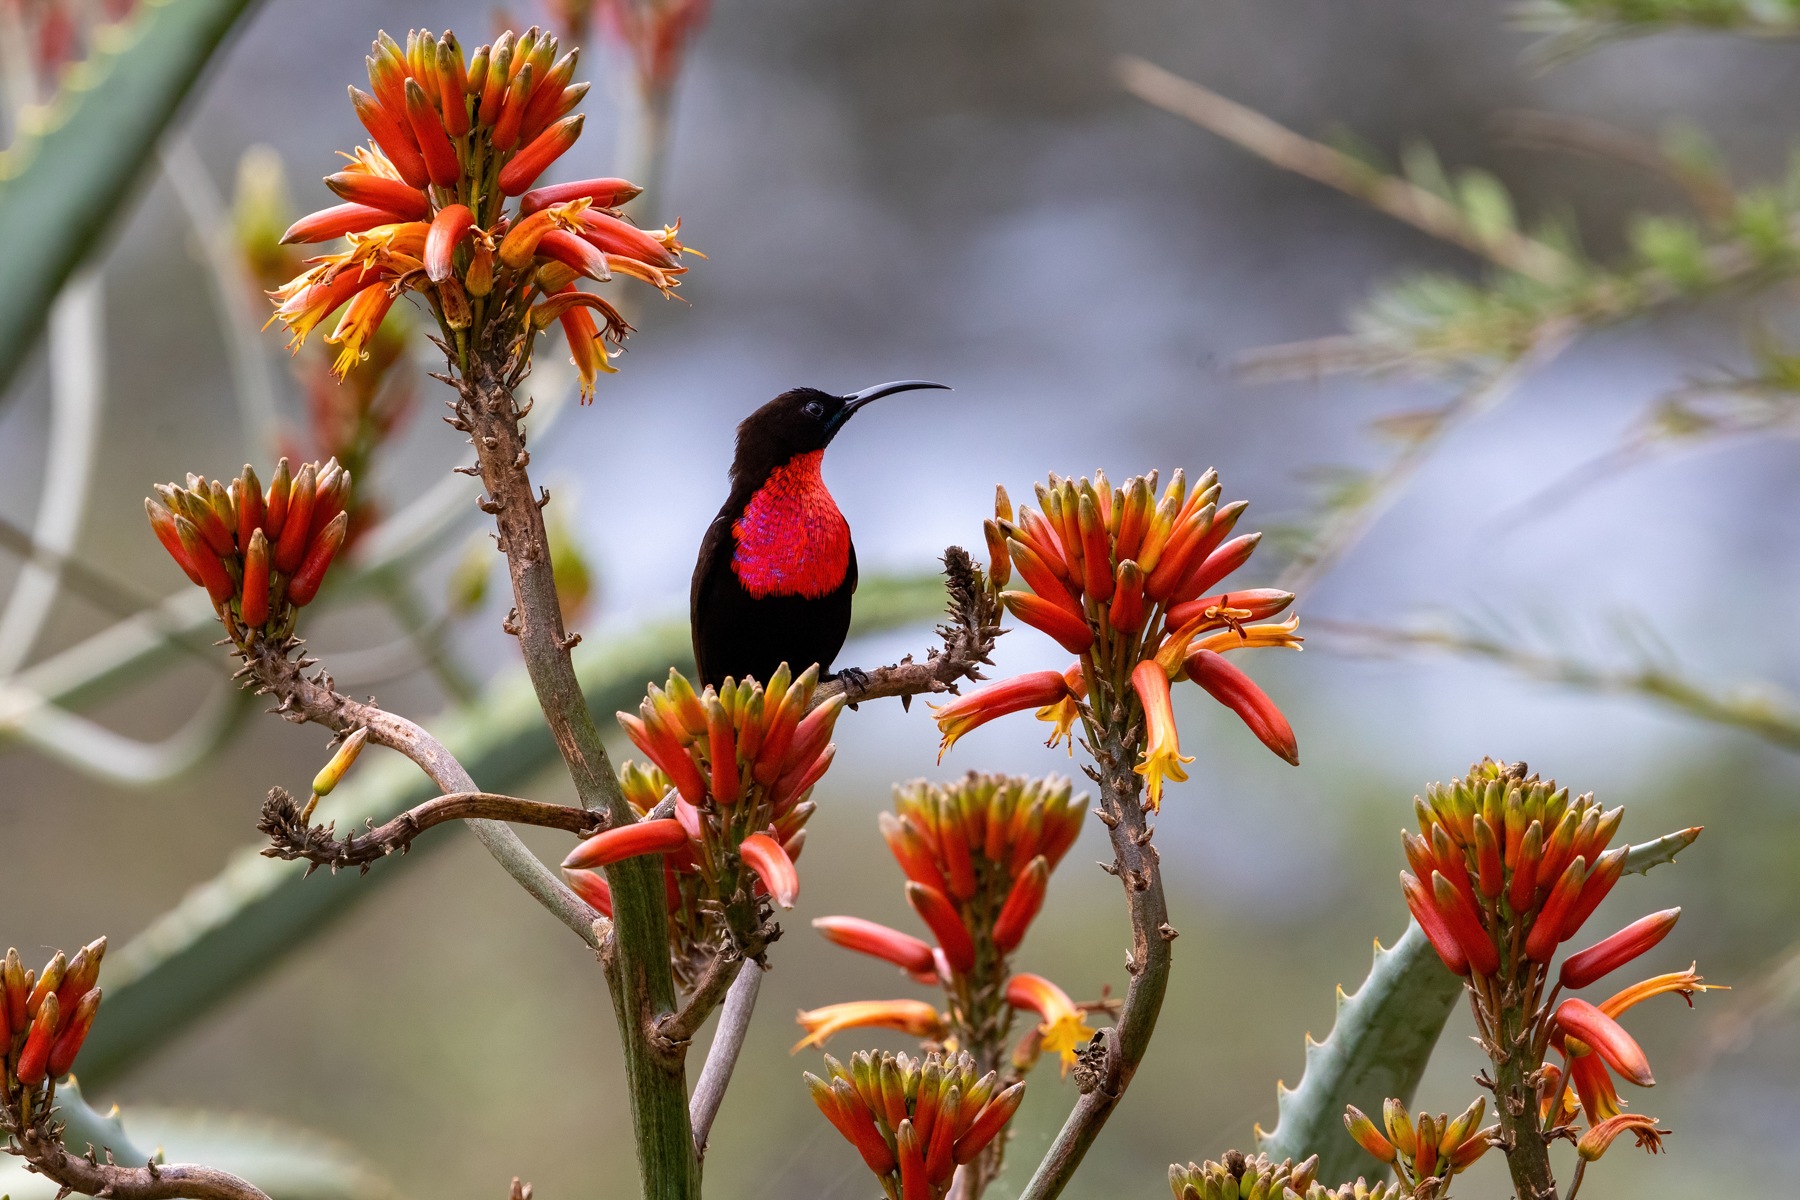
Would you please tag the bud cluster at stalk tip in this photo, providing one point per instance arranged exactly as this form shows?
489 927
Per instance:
1423 1147
741 761
977 854
1244 1178
914 1121
261 554
44 1019
1123 578
442 203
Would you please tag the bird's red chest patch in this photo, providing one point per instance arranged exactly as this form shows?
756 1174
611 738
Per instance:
792 540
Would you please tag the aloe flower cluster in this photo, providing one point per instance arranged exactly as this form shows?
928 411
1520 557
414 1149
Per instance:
1505 869
442 202
738 764
1258 1178
1426 1151
914 1121
44 1019
977 855
1124 579
261 554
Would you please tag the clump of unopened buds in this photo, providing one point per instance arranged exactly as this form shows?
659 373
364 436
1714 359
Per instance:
442 202
261 554
737 765
914 1121
977 854
1506 868
1242 1178
1124 579
44 1019
1425 1151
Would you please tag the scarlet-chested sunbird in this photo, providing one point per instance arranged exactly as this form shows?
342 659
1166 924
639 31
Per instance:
777 567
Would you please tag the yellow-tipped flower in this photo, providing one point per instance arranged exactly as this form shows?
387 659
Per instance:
1064 1029
914 1017
1162 758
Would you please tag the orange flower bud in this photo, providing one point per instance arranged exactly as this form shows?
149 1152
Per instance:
1604 957
1436 929
999 559
593 889
1177 555
988 1123
305 583
1464 922
764 855
441 161
617 236
1600 881
1218 564
213 576
512 109
1490 870
1096 552
1238 692
1546 928
494 83
628 841
1068 629
453 87
34 1058
336 221
1579 1019
162 524
602 193
519 174
253 603
378 191
1022 905
935 909
908 953
1033 690
1250 604
1522 894
452 224
1366 1135
395 142
71 1034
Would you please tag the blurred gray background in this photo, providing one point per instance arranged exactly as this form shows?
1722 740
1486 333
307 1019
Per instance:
960 191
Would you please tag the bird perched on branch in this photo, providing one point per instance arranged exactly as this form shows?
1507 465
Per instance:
777 567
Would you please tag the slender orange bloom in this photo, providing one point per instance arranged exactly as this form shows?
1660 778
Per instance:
1064 1029
1595 1141
1033 690
914 1017
1162 757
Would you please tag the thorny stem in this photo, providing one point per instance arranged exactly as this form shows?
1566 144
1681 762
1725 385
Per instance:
639 971
727 1044
41 1147
1516 1059
314 699
292 838
1107 1066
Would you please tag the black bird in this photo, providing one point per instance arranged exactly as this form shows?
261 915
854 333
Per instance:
777 567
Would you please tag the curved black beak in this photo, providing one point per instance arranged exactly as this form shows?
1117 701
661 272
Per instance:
856 400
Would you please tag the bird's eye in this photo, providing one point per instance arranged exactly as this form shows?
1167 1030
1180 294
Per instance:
814 409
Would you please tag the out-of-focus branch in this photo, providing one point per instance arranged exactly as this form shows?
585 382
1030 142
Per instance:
293 838
727 1044
277 672
1533 130
1577 26
1404 201
1767 718
968 635
1347 525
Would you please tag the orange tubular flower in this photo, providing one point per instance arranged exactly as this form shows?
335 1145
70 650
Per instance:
1579 970
913 1017
867 937
1064 1030
1238 692
1162 757
772 865
44 1020
452 140
1595 1141
1063 714
1034 690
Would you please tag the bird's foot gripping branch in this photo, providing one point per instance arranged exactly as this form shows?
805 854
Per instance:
680 863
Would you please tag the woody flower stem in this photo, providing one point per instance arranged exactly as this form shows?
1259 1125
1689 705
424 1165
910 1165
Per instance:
1515 1093
639 971
1103 1077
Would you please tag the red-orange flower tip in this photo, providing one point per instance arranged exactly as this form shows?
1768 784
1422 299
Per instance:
1238 692
627 841
1033 690
913 1017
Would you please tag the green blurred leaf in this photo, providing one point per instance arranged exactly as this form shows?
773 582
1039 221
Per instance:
69 173
243 921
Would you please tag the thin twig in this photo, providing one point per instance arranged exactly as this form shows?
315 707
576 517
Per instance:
1404 201
294 838
727 1044
1529 129
275 672
1768 719
40 1145
1349 524
969 635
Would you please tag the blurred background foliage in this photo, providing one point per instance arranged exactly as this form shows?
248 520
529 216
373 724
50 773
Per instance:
1487 308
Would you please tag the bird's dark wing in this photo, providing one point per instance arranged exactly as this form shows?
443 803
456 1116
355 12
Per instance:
716 550
850 569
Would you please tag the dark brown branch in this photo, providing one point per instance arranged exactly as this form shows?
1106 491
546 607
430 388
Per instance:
40 1145
278 670
969 635
292 837
679 1028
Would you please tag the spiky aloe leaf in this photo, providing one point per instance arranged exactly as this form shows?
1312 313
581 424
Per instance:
70 170
230 929
1378 1047
1382 1040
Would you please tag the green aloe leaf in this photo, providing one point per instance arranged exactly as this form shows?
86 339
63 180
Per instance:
69 173
235 926
1382 1040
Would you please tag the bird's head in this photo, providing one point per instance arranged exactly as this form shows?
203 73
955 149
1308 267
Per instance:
802 421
